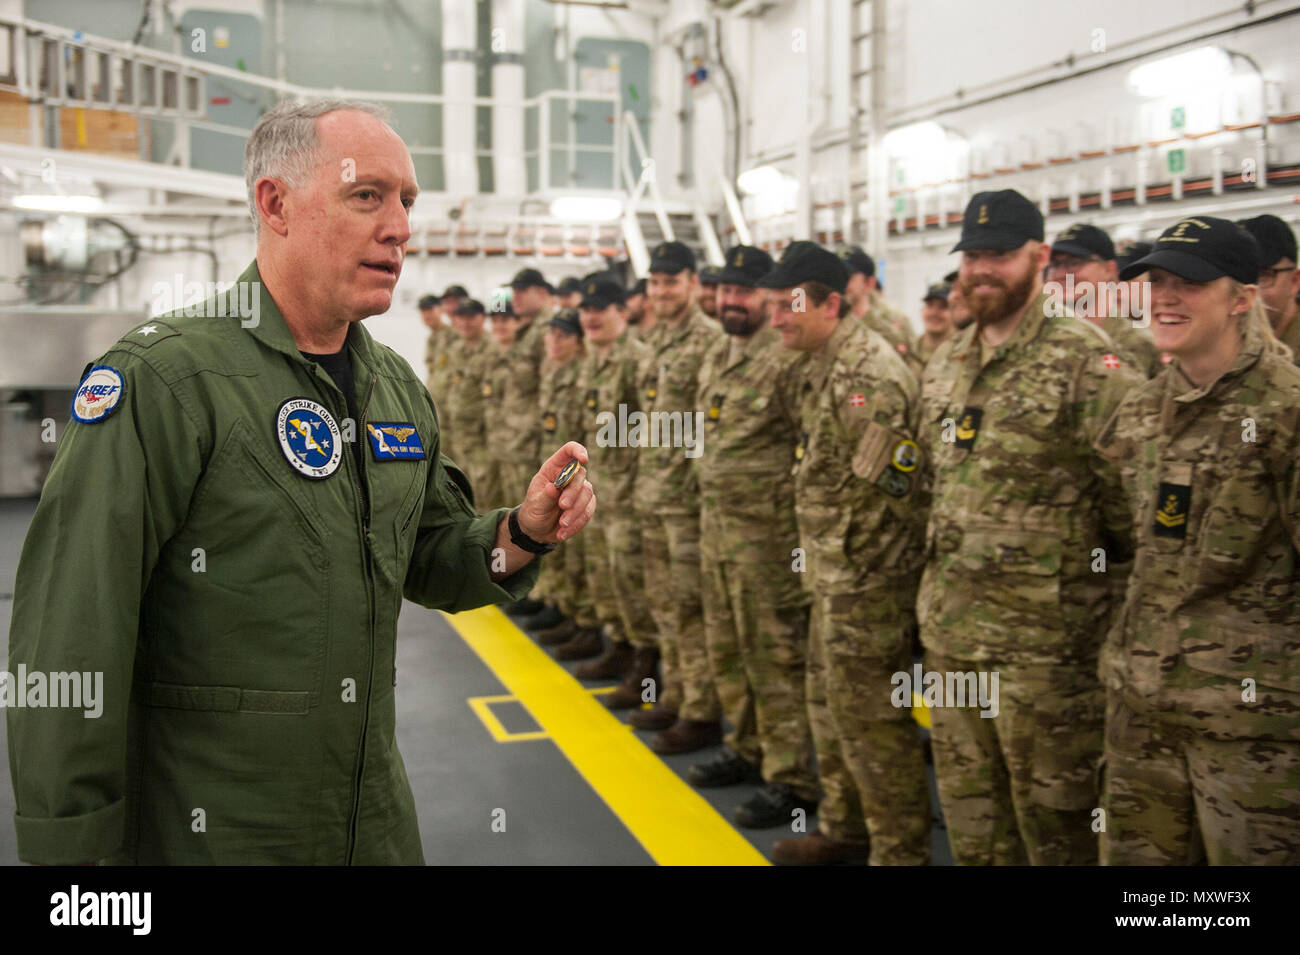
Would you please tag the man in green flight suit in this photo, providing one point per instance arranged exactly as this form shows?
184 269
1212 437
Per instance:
240 504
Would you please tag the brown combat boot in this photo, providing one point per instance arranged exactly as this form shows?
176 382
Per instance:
628 693
816 849
561 632
686 736
658 717
585 642
613 663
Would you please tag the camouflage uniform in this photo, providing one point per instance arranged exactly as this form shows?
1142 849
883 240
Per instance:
1202 669
499 489
668 500
435 349
442 367
460 412
1133 345
615 568
893 325
1291 338
861 521
755 608
521 450
563 575
925 351
1020 503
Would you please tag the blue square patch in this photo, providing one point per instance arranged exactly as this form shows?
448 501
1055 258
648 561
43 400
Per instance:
395 441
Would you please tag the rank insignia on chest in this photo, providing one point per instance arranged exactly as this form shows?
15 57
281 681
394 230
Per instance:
309 438
487 390
549 423
968 427
442 359
1172 504
592 397
652 393
715 409
395 441
801 448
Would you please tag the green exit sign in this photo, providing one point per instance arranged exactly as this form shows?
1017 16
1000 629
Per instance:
899 206
1177 160
1178 117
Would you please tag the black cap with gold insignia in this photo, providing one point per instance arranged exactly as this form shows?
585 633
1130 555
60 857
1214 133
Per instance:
429 301
709 274
566 320
855 259
672 257
1275 238
999 222
529 278
746 264
1085 241
455 291
805 261
939 290
471 306
568 286
1202 249
600 290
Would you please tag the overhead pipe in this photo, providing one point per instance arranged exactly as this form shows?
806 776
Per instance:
459 141
509 169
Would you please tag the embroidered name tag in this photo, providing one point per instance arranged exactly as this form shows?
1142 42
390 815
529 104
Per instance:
395 441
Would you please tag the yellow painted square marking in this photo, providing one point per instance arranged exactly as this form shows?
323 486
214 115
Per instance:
481 705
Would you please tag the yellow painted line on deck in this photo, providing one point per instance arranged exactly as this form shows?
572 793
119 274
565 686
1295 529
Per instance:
673 823
481 705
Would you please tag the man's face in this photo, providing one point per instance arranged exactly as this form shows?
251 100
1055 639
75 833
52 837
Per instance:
1091 278
742 310
957 310
347 227
996 285
431 317
561 346
635 305
527 302
469 327
503 330
1192 319
709 299
1278 286
670 295
935 317
803 326
570 300
858 290
450 304
602 326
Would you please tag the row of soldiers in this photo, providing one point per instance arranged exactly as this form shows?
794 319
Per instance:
1121 574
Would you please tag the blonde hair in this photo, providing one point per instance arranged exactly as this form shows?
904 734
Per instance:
1257 317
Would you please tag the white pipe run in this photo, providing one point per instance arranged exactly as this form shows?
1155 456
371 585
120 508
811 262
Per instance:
509 169
458 138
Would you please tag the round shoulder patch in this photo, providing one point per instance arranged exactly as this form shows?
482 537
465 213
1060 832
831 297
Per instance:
309 438
906 455
98 395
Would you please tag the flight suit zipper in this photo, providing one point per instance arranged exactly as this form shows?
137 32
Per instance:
365 507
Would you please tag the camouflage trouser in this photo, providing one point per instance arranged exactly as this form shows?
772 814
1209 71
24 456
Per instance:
1021 787
756 623
670 545
869 752
627 575
1174 797
600 586
563 580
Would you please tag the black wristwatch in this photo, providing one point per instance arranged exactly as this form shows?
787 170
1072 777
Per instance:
522 540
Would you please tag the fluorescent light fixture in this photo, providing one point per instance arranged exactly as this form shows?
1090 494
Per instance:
1207 66
764 179
586 208
916 140
51 203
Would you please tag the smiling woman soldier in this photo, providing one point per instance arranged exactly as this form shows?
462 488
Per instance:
1202 669
239 514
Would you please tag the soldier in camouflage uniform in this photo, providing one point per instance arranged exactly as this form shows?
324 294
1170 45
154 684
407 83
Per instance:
860 503
1279 279
563 579
936 320
496 375
1202 669
439 337
1027 546
615 566
755 607
709 290
636 308
460 408
1083 258
668 499
867 305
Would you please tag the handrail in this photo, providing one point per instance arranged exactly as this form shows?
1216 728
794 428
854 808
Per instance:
737 214
648 174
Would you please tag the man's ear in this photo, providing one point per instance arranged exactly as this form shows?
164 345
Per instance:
269 195
1295 283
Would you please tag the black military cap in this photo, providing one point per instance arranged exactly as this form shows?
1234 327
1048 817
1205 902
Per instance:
529 278
1085 241
429 301
566 320
637 289
1132 252
951 277
1275 238
709 275
938 290
1201 249
568 286
455 291
856 260
807 262
746 264
471 306
999 221
672 257
600 290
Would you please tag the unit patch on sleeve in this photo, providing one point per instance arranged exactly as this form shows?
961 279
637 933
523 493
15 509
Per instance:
309 438
395 441
98 395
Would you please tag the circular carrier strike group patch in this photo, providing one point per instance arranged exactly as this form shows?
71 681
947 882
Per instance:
98 395
309 437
